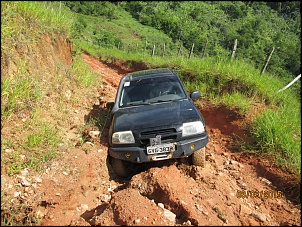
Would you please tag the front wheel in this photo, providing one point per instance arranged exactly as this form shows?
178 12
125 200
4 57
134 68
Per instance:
122 168
199 157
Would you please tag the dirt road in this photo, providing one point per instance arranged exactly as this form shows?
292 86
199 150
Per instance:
80 188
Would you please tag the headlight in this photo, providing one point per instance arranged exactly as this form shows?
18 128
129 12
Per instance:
122 137
192 128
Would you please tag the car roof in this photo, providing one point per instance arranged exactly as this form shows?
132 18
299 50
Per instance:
149 73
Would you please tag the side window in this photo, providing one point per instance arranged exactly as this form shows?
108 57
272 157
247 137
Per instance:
124 98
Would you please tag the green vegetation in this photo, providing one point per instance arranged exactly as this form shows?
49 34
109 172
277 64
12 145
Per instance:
28 97
21 20
235 83
128 31
211 26
239 86
84 76
277 133
18 93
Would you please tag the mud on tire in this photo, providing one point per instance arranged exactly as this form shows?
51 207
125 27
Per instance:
199 157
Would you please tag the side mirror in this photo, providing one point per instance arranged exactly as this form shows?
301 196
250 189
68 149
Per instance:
195 94
109 105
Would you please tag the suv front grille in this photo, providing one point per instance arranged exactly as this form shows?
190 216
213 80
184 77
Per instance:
167 135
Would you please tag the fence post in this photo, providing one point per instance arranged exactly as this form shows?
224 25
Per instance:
145 48
153 50
234 49
267 60
179 50
191 52
204 49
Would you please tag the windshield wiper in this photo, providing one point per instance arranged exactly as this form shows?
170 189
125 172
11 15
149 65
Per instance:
158 101
138 103
167 100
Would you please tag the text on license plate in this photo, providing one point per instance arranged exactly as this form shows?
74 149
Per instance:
160 148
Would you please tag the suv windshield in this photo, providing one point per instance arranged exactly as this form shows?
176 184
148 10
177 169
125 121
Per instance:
151 90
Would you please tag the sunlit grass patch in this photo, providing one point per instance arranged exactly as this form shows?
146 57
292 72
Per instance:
237 100
19 92
84 76
276 132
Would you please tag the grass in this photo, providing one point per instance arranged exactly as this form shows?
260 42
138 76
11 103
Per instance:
277 133
16 211
22 22
47 16
31 134
26 91
237 100
133 36
38 145
229 82
34 142
19 92
84 76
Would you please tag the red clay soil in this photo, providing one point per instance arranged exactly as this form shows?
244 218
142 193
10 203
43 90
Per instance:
170 192
82 189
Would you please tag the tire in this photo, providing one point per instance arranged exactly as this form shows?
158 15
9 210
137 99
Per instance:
122 168
199 157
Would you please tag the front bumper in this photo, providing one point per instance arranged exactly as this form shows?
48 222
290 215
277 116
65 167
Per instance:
138 155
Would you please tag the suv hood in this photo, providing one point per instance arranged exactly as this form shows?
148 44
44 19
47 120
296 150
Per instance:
154 115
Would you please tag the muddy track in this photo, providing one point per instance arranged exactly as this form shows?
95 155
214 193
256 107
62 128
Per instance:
82 189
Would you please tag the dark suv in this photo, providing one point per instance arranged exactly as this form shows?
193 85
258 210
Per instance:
153 118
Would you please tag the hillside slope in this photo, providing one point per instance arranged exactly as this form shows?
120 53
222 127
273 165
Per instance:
50 52
78 187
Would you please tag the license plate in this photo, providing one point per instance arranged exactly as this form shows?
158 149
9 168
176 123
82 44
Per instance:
160 148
